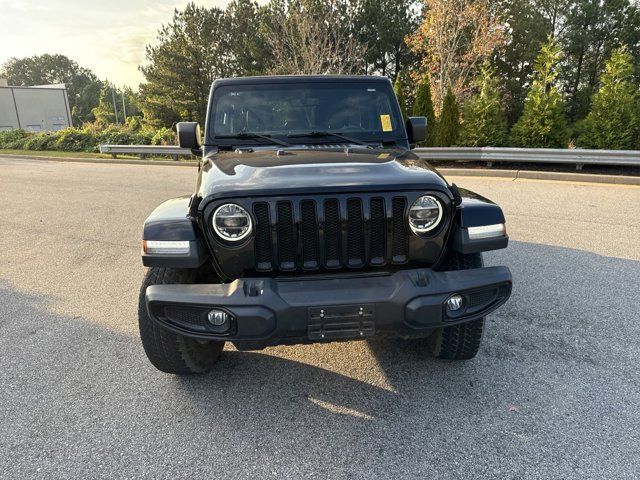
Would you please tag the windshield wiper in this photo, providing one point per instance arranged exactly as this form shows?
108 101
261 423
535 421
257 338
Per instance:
319 134
255 135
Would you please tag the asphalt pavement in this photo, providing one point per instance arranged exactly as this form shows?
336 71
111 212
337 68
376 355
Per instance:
553 393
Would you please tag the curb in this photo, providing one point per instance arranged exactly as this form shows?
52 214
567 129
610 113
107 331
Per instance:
459 172
535 175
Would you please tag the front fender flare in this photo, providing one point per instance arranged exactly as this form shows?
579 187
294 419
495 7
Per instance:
170 221
476 211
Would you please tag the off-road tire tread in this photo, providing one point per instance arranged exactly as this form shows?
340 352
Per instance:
168 351
458 342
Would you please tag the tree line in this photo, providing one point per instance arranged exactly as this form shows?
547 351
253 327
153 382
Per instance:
538 73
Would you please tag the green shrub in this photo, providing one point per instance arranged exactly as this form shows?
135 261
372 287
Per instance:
164 136
143 138
116 135
40 142
88 138
399 88
485 123
74 140
613 120
423 107
134 124
14 139
449 124
543 123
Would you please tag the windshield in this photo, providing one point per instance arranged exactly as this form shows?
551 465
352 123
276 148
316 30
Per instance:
363 111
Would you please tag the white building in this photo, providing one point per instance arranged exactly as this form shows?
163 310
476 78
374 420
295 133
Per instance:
37 109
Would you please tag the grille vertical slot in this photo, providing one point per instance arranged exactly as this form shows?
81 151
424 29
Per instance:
332 234
400 237
377 228
263 245
286 236
309 234
355 233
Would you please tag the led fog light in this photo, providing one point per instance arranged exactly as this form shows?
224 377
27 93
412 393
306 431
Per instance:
455 303
218 318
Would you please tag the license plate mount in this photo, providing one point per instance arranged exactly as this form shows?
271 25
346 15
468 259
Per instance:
341 322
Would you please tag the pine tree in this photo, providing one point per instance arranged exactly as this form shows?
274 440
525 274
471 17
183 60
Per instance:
423 107
449 124
104 113
399 87
543 123
613 120
485 122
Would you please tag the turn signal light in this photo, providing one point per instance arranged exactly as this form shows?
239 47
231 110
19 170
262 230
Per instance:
487 231
162 247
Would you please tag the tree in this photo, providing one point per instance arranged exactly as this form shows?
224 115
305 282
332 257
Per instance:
593 30
454 38
543 123
526 30
83 87
249 49
104 112
613 122
312 37
189 54
423 107
554 13
399 88
449 124
485 123
199 45
383 26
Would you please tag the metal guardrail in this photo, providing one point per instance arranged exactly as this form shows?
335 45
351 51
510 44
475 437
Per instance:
490 155
577 156
144 150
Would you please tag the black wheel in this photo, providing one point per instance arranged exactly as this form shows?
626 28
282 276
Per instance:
458 342
168 351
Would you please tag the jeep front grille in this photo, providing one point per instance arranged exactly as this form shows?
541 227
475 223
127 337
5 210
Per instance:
330 233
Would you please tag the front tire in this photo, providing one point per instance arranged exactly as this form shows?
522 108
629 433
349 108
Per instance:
458 342
168 351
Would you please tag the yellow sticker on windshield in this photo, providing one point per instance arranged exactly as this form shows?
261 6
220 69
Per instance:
385 120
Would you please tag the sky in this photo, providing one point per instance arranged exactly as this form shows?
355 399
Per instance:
108 37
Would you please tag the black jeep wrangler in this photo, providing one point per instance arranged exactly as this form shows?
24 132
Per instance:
312 221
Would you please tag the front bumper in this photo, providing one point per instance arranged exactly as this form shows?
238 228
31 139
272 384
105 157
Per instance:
268 311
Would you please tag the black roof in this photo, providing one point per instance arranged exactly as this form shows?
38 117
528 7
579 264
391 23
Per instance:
299 78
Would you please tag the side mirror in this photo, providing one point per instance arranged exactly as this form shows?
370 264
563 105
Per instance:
416 129
189 135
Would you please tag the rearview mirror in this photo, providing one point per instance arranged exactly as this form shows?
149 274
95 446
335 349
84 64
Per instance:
189 135
416 129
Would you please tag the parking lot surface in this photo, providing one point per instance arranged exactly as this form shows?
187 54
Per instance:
553 393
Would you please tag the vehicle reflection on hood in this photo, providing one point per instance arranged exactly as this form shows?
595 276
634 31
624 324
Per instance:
227 161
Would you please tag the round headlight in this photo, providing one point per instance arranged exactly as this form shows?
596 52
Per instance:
425 214
231 222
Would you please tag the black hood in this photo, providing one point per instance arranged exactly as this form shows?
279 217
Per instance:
316 169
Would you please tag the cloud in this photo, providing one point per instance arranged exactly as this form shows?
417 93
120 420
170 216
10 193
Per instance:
107 37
